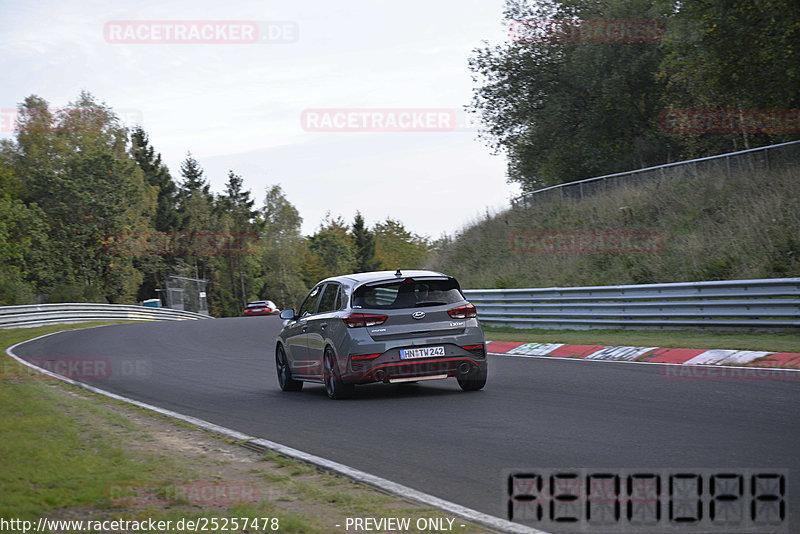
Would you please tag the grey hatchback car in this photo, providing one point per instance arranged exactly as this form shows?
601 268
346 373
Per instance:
385 326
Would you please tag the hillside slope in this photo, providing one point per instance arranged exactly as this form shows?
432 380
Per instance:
706 228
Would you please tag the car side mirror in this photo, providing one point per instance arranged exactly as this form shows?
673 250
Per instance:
287 313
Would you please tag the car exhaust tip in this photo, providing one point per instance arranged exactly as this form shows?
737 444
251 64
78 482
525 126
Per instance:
464 368
380 375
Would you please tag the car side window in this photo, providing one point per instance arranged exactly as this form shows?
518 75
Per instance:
327 302
310 304
341 299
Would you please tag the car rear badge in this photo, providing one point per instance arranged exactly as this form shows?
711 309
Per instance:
418 315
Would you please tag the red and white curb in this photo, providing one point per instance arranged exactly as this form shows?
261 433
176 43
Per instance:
742 358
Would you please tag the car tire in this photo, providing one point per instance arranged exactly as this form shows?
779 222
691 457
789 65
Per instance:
474 380
334 387
285 380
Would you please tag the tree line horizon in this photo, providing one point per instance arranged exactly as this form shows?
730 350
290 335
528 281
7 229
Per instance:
90 213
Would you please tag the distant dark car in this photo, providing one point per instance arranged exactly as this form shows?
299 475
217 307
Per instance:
261 307
390 327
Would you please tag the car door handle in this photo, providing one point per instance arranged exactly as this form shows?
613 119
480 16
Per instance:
324 326
305 327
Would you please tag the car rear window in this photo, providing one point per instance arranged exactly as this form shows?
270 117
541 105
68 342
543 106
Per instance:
408 293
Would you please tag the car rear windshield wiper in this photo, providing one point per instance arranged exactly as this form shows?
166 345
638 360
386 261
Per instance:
430 303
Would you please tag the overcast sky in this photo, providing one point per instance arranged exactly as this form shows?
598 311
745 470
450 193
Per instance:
260 95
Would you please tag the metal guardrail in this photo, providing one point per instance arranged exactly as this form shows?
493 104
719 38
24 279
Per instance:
44 314
765 157
752 304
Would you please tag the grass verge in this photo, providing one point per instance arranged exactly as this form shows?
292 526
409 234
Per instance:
69 454
686 339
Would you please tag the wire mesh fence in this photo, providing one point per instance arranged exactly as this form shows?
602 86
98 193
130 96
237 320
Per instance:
770 157
186 294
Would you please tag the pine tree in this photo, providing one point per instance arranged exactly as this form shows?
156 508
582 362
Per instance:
196 213
237 203
156 174
365 245
235 210
193 180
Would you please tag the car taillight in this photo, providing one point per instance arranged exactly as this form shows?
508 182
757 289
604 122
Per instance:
463 312
472 347
356 357
357 320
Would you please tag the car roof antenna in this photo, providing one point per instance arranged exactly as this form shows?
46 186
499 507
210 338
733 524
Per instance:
398 273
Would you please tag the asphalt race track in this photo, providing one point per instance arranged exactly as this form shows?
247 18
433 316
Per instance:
533 413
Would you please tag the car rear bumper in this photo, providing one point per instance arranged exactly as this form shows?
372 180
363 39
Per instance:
404 371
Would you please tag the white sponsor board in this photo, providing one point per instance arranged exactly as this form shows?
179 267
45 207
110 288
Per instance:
619 353
535 349
709 356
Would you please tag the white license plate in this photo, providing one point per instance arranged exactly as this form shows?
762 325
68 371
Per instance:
422 352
